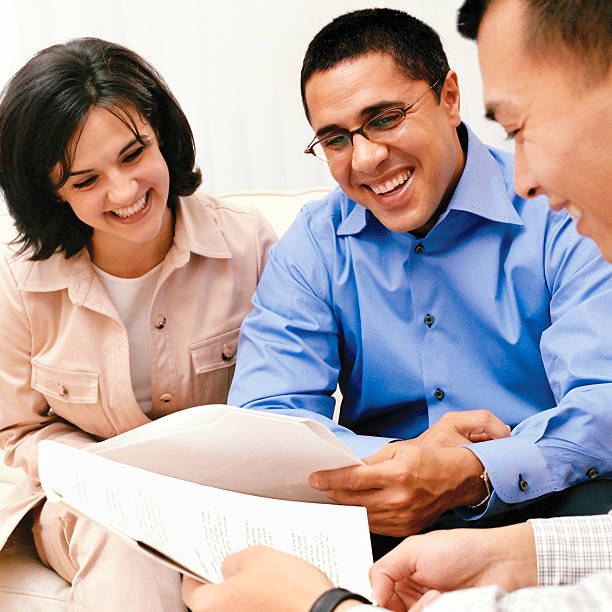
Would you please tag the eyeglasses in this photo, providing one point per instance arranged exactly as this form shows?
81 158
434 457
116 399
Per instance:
379 128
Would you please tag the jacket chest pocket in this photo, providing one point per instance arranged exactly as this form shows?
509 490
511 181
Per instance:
214 362
71 395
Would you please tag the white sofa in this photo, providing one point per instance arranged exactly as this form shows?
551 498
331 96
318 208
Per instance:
25 584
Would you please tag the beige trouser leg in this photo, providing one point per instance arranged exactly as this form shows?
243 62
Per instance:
105 573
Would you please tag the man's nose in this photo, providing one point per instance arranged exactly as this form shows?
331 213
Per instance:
367 155
524 182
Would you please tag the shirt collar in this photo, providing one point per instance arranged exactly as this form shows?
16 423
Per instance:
483 189
486 184
196 231
354 216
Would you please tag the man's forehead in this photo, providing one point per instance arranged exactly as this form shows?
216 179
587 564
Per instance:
356 87
503 65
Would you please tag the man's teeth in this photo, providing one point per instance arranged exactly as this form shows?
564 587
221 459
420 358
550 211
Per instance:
128 211
573 212
392 184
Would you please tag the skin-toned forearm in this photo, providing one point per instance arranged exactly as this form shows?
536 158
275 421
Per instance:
455 559
466 485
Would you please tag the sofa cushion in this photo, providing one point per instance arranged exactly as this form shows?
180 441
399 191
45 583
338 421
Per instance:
279 207
25 583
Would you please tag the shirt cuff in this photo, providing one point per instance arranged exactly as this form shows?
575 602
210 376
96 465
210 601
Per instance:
569 548
516 468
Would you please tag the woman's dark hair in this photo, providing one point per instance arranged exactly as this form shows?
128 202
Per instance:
415 47
44 106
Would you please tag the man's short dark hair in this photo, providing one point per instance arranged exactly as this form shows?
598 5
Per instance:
414 46
45 105
580 29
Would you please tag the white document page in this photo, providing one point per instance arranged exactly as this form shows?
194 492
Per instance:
198 526
236 449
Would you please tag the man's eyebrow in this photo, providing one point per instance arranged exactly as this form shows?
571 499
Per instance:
329 129
381 106
365 112
127 146
496 108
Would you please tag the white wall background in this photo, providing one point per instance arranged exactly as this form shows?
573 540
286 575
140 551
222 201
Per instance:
234 67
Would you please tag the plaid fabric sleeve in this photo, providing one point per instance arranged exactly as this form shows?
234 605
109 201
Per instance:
569 548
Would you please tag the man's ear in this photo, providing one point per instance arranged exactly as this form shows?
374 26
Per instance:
450 98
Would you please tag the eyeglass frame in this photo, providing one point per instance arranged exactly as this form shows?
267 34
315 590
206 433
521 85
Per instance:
309 150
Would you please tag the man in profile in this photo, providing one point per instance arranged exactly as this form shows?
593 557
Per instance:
548 81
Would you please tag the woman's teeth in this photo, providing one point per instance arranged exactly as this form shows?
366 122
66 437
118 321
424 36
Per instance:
128 211
392 184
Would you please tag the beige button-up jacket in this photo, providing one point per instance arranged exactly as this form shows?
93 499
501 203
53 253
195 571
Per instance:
64 365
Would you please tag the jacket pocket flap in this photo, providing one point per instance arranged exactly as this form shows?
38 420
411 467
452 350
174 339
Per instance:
215 353
65 385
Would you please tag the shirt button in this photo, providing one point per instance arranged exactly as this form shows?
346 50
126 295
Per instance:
429 320
523 484
165 397
439 394
592 473
227 353
62 390
160 322
419 249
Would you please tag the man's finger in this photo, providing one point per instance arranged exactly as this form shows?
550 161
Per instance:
355 478
202 597
478 425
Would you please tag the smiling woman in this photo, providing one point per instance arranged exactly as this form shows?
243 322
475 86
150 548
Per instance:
118 184
97 169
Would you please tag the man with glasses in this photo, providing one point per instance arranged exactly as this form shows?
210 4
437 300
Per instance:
448 308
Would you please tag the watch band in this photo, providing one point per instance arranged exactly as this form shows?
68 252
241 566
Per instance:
487 482
329 600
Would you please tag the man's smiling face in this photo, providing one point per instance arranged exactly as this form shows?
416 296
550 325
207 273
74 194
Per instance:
562 125
408 180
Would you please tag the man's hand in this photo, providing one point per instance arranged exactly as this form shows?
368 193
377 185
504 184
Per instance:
455 559
259 579
407 485
458 428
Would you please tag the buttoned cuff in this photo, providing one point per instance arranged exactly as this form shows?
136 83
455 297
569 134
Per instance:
569 548
517 471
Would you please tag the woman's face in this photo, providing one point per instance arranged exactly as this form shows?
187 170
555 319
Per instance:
118 185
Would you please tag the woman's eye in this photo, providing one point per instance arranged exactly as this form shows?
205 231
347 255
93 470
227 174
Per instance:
133 155
86 183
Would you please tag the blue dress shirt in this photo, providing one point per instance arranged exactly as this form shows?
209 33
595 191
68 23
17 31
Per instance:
502 306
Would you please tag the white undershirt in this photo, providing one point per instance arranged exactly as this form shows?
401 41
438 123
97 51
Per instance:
132 298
